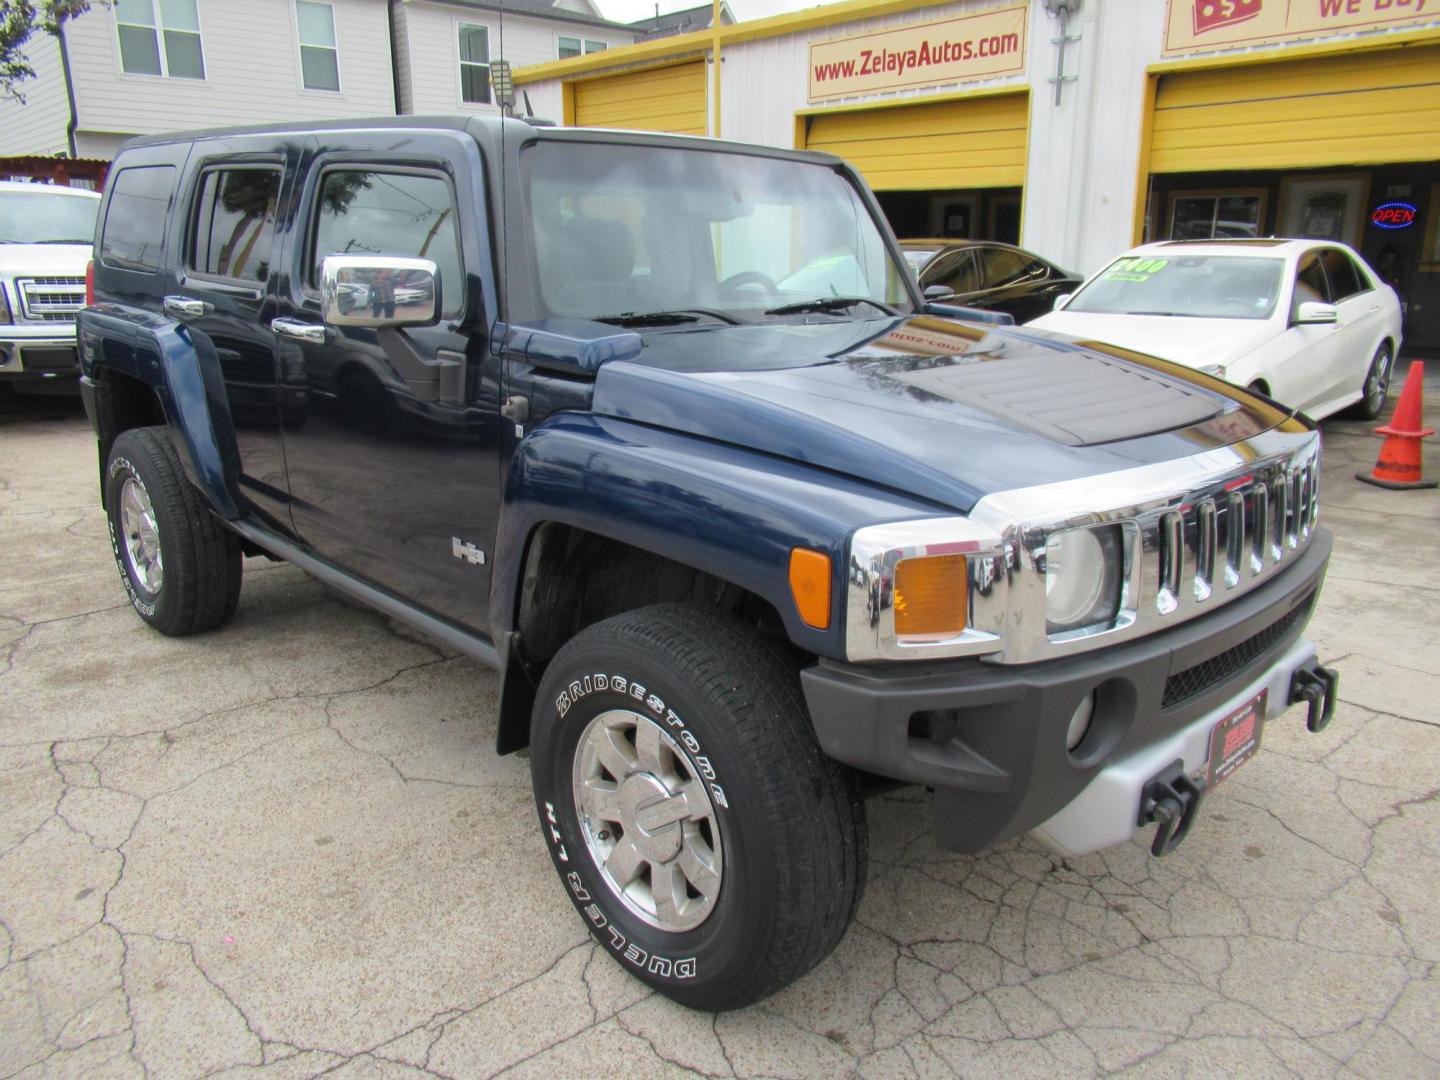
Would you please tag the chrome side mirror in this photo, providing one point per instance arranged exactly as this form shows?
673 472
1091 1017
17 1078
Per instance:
1061 301
1312 311
378 290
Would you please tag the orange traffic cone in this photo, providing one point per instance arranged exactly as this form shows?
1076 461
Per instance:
1399 463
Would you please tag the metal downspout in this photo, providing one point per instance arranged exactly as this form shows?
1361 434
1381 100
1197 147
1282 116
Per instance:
394 53
69 92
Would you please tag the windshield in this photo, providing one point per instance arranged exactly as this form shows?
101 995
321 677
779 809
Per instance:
637 230
1194 286
43 217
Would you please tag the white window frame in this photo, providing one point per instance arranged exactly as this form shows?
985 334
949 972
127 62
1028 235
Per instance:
299 54
158 29
459 26
582 45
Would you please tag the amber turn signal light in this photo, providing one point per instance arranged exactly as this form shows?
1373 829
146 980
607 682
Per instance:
810 586
930 597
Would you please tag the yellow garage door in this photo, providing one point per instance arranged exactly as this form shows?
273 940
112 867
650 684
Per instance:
1337 110
670 98
970 143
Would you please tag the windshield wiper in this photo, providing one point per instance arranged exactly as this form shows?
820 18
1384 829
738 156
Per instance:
665 318
829 303
1167 314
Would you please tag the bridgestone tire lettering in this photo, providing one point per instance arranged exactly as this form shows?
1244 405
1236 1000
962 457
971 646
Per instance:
790 820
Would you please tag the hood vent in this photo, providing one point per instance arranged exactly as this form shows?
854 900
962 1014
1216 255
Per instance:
1074 398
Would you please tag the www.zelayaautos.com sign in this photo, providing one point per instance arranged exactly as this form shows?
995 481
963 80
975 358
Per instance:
978 46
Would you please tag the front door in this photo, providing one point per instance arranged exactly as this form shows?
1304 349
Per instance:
1307 353
393 463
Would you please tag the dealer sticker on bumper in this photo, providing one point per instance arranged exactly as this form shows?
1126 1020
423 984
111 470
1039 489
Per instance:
1234 740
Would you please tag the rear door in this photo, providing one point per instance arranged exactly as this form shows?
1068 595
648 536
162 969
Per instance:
223 290
393 463
1357 305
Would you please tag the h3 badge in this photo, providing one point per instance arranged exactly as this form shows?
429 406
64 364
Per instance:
463 549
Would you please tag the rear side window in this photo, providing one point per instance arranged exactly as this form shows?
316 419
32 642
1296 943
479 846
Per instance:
134 233
235 223
376 213
1345 279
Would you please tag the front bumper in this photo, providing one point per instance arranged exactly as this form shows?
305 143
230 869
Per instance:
990 739
38 352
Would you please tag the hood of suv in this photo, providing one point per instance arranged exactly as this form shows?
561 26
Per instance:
37 260
943 410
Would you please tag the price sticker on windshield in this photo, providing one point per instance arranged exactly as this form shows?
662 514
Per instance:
1135 269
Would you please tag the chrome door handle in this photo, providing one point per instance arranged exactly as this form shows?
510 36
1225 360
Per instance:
315 333
185 307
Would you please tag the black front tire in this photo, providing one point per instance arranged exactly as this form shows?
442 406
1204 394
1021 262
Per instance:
791 821
200 560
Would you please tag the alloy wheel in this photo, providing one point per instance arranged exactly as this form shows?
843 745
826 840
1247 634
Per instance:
647 820
142 536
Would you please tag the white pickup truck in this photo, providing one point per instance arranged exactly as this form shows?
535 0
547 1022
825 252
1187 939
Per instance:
45 237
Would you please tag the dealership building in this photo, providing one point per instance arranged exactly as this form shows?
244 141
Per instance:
1077 128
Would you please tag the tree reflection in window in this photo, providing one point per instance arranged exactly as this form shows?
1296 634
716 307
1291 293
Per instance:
235 223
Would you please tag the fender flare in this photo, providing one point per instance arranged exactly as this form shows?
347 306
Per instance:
181 367
732 513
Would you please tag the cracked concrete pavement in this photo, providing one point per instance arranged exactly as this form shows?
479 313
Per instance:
287 849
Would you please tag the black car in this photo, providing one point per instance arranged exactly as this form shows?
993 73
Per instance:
987 274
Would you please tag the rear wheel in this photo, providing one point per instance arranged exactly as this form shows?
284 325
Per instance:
1376 388
180 567
700 832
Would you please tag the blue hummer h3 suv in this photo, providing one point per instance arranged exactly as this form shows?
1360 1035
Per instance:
662 429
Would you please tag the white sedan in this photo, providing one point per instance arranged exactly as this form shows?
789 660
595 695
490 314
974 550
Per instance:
1305 322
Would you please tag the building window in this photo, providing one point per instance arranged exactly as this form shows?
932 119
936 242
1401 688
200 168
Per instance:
141 34
319 56
474 64
573 46
1206 215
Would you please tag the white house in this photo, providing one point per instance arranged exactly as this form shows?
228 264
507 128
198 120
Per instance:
443 48
139 67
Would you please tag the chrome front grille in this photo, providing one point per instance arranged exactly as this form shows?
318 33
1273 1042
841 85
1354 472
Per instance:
1198 532
50 299
1218 544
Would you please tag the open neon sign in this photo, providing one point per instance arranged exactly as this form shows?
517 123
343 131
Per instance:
1394 215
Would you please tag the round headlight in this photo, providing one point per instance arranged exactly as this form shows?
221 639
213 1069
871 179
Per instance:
1075 577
